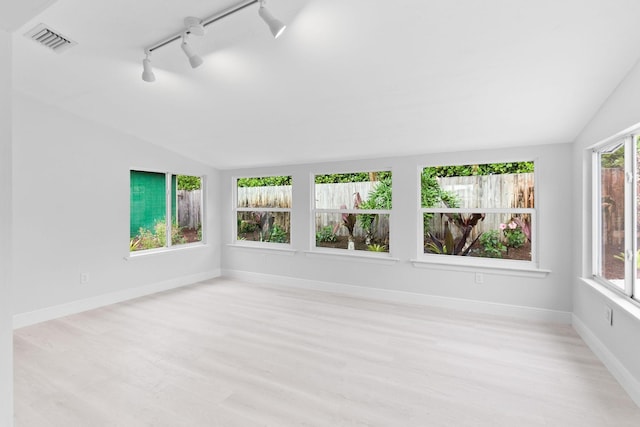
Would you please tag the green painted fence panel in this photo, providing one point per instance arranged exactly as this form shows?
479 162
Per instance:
148 200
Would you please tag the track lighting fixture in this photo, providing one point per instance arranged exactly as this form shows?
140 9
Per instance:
194 59
195 26
147 74
276 26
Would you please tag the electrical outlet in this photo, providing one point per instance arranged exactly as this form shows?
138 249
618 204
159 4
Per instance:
84 278
479 278
608 315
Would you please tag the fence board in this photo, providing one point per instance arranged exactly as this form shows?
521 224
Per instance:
189 208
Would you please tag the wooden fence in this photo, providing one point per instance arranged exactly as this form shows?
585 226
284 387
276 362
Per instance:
492 191
612 205
487 191
189 208
276 196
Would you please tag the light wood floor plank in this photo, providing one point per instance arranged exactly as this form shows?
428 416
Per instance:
227 353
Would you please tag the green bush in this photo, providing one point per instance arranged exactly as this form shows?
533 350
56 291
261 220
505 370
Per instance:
376 248
189 183
326 235
247 227
277 235
491 244
147 239
515 238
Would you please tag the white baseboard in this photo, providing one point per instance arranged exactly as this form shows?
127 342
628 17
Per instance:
617 369
31 318
521 312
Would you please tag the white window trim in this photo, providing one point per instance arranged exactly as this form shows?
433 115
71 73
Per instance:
337 253
460 263
170 247
269 246
280 248
631 288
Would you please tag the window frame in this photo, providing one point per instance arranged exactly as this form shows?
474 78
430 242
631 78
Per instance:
531 266
631 287
236 209
169 211
313 210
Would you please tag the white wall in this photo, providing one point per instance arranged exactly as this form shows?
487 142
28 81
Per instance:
6 336
553 165
621 340
71 204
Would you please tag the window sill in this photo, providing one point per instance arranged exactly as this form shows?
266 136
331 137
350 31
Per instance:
158 251
625 303
347 255
279 248
474 265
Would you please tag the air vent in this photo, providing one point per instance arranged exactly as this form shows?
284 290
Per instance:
50 38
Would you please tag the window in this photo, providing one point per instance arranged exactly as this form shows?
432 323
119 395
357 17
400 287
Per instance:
263 209
149 227
481 211
616 200
352 210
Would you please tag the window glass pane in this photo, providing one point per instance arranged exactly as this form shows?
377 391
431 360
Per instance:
487 235
187 209
363 190
612 213
361 232
272 227
492 185
264 192
147 210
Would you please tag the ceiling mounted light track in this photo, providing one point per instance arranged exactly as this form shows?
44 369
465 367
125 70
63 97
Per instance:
195 26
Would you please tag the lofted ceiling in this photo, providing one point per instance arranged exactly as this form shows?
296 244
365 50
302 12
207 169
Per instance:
348 79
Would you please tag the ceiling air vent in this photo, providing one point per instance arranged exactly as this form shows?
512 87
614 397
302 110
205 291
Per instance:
50 38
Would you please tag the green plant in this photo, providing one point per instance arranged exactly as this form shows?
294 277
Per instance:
621 257
189 183
267 181
514 236
146 239
247 227
161 234
432 195
448 245
277 235
326 234
524 225
491 244
376 248
134 244
378 198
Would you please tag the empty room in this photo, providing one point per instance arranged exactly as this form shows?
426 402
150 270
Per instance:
319 213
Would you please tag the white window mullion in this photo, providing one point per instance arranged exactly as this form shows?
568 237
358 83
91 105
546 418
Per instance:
596 229
169 203
630 216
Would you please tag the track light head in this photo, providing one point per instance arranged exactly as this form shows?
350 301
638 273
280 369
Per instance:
194 59
147 73
276 26
194 26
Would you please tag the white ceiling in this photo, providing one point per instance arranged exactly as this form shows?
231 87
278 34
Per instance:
348 79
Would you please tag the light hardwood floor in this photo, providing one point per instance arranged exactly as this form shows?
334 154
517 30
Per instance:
227 353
